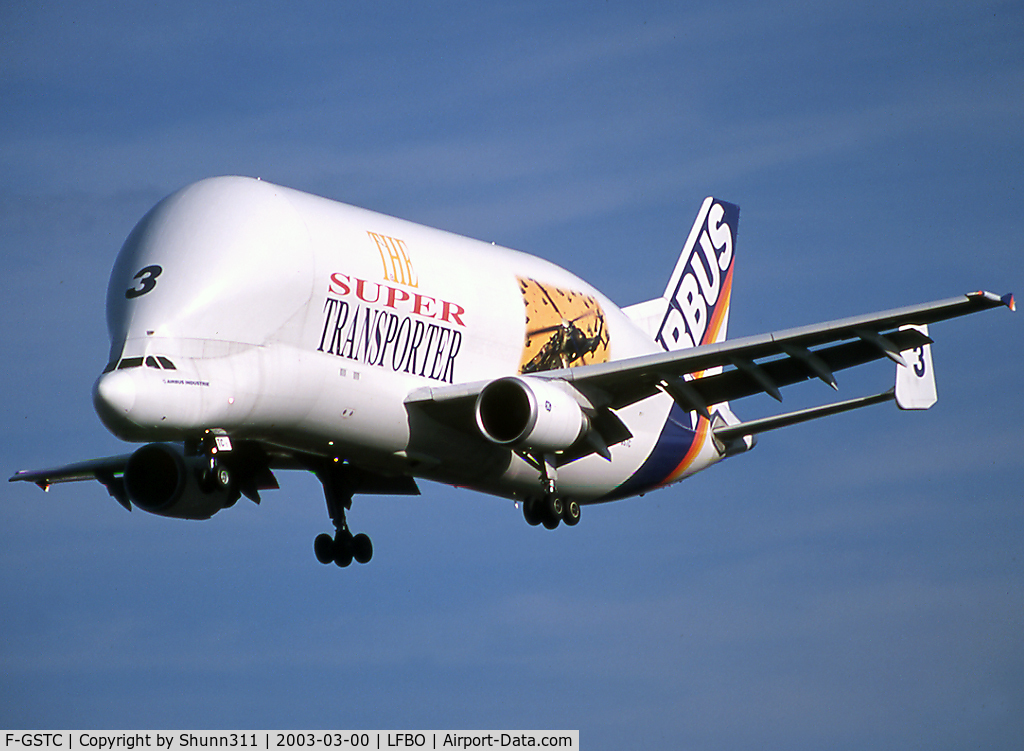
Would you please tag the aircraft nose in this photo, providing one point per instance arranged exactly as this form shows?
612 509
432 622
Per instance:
113 397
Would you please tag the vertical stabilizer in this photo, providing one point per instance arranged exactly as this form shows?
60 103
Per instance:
694 310
699 291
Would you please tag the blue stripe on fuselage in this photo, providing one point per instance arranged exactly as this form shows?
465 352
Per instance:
675 441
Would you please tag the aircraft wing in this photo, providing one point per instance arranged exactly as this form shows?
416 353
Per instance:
253 461
751 365
105 470
89 470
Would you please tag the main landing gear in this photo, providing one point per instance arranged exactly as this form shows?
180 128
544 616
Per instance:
550 510
343 547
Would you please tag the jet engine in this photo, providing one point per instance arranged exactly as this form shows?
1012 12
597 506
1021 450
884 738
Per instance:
530 413
159 478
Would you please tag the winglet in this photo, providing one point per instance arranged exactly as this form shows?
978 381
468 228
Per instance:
915 380
994 299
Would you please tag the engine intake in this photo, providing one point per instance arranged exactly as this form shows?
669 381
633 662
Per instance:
530 413
160 479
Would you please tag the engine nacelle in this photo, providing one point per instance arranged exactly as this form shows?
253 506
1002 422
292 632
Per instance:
159 478
530 413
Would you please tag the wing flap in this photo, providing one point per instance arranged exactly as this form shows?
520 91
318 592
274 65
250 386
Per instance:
736 384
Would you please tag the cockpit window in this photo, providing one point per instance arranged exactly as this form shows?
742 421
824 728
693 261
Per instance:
150 361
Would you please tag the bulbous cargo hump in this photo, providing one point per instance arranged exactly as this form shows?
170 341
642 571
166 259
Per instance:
226 259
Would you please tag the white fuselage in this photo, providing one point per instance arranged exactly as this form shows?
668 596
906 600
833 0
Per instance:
304 323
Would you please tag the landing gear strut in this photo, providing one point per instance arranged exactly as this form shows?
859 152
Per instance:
344 547
215 476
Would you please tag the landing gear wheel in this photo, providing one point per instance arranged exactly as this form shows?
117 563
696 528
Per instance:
343 549
323 547
362 548
215 477
223 477
552 508
571 513
533 512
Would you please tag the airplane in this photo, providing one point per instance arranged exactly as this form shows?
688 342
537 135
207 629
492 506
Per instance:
257 328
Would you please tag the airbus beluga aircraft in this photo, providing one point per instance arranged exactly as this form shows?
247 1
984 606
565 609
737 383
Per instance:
256 328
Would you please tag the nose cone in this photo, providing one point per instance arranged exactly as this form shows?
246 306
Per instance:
113 396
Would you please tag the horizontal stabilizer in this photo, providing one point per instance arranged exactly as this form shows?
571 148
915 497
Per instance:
729 433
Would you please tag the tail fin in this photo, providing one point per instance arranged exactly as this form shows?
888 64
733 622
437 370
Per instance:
694 309
700 289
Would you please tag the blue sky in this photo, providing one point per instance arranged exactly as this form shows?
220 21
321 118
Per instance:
853 582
